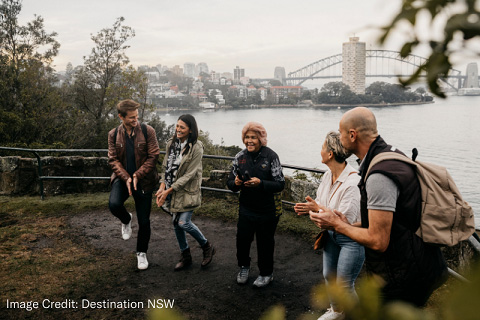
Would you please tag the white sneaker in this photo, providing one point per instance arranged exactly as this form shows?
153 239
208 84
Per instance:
332 315
242 276
142 260
127 229
263 281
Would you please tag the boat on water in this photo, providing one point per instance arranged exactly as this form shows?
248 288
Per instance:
207 105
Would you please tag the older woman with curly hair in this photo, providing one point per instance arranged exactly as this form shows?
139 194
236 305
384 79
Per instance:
257 174
342 257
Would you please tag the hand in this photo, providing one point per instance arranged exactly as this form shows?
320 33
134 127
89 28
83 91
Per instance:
161 199
341 216
326 218
252 183
161 189
135 181
162 196
238 181
129 186
304 208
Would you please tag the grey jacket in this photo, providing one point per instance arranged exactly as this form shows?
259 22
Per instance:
186 195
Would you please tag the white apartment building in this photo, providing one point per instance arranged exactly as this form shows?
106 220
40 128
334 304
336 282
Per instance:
201 67
189 69
354 65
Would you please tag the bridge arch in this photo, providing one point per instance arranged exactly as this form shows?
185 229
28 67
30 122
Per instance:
312 70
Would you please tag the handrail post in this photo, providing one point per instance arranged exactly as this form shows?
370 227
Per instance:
40 174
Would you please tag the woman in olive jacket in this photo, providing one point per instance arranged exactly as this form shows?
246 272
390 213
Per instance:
179 192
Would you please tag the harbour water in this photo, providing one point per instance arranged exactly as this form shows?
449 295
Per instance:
446 132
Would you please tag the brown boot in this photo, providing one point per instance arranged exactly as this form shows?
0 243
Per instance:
185 260
208 252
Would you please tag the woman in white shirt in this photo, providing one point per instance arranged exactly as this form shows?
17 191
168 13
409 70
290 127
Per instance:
342 257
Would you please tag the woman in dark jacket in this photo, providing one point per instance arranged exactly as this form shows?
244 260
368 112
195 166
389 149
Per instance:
257 174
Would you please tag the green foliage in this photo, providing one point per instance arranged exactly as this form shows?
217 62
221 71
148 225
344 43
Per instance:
30 106
455 17
103 81
300 175
376 93
218 150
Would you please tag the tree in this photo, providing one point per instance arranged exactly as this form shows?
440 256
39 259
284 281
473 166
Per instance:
460 21
30 107
97 82
334 88
68 73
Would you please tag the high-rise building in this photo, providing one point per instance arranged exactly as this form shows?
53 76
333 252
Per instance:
189 69
177 70
354 64
279 74
238 73
472 76
201 67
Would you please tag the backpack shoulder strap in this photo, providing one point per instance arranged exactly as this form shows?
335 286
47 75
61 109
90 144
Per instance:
144 130
388 156
115 136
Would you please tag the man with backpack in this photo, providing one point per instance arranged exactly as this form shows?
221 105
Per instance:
390 216
132 154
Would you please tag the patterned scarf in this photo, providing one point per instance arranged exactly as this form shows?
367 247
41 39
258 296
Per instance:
173 162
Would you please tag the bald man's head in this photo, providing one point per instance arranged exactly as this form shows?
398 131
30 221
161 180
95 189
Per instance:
361 120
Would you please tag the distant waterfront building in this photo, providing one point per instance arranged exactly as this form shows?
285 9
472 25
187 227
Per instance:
177 70
279 74
152 76
189 69
472 76
227 75
283 91
164 69
201 67
263 93
214 77
354 65
238 73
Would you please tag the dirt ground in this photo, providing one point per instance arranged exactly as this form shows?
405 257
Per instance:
211 293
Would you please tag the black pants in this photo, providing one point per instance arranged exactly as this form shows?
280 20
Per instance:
264 231
143 206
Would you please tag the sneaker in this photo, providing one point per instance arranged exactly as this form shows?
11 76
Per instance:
242 276
127 229
142 260
263 281
332 315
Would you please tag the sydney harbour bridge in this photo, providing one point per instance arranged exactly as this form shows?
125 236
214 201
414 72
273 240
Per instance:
379 64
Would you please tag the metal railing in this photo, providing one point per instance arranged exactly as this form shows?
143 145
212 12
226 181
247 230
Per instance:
473 240
41 177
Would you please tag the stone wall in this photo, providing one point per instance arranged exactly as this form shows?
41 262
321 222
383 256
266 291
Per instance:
19 176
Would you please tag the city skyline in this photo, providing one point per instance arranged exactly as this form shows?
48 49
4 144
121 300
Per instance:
258 36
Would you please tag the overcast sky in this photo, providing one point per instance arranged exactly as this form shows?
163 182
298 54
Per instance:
256 35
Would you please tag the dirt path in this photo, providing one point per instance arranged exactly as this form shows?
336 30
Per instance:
204 294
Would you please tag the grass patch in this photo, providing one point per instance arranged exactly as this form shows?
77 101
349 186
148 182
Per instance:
43 258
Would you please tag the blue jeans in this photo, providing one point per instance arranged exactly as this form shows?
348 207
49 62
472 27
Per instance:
182 224
143 206
342 261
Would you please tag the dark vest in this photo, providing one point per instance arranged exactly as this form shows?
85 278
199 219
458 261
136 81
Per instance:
410 267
